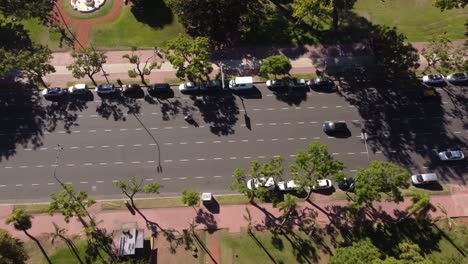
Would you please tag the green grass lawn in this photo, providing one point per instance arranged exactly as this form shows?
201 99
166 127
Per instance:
263 247
126 31
419 20
45 36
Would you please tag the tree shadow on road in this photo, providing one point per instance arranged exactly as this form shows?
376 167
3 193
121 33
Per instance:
401 124
27 117
219 111
118 107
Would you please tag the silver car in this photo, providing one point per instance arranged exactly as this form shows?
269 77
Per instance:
451 155
53 92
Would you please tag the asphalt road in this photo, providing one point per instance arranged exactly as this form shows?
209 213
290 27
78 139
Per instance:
103 140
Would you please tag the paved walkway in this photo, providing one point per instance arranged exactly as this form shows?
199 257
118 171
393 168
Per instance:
229 217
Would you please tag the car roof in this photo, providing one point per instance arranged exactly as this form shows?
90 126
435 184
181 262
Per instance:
160 86
80 86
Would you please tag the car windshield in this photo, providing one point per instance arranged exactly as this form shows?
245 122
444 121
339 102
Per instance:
54 90
105 87
448 154
419 178
459 75
434 76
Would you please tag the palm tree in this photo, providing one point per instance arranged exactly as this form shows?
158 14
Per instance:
287 206
22 222
60 233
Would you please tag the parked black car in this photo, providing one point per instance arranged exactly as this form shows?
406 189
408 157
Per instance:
159 88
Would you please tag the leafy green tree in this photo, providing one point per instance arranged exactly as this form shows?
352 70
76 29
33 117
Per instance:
380 177
437 53
190 198
313 12
313 164
450 4
71 204
141 70
218 20
360 252
22 222
393 55
21 9
75 204
258 173
411 254
133 187
288 206
12 250
421 204
87 62
34 63
190 58
276 65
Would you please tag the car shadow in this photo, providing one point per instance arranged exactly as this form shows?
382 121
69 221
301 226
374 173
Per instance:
339 134
253 93
162 95
328 191
135 94
220 112
430 187
291 96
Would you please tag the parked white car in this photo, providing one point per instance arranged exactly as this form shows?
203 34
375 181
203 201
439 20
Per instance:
53 92
241 83
188 87
323 184
297 83
275 83
435 78
458 77
269 183
451 155
79 88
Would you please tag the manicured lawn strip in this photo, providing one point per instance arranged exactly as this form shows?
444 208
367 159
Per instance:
43 35
34 208
242 248
341 195
143 203
126 31
231 199
104 10
124 81
418 20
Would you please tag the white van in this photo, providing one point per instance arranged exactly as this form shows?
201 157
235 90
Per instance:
426 178
241 83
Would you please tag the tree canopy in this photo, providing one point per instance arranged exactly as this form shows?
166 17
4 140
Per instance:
218 20
380 177
190 58
315 163
190 198
276 65
12 250
87 62
450 4
141 70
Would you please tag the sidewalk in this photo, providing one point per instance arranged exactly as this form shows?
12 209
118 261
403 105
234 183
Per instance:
239 61
229 217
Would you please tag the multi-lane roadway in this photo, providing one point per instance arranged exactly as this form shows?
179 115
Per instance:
103 141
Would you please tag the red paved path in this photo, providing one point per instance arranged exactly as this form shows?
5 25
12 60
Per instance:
83 26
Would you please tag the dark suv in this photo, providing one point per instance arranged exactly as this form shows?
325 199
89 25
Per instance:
159 88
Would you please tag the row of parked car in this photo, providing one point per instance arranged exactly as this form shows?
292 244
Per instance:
437 78
346 184
103 89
